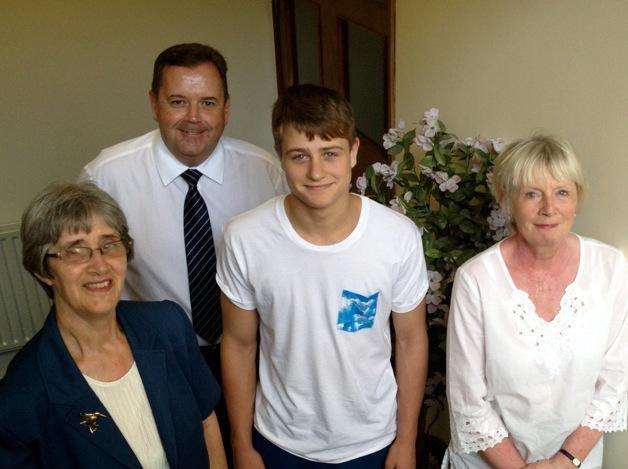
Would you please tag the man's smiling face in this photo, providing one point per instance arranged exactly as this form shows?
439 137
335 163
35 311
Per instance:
191 111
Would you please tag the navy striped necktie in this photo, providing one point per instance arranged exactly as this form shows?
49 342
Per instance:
201 260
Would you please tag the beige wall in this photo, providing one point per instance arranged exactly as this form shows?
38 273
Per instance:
507 68
75 76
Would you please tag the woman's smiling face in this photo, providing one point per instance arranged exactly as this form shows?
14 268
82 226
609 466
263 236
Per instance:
544 210
91 288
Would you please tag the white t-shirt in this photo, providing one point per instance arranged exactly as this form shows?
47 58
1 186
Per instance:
144 178
511 373
326 388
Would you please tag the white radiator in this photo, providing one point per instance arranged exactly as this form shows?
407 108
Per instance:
23 303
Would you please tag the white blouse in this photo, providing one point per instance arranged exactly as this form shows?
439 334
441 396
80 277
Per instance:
511 373
128 406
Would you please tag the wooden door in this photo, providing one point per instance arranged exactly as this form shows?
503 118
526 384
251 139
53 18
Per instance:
347 45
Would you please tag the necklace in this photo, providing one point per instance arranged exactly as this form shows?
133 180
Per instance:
548 279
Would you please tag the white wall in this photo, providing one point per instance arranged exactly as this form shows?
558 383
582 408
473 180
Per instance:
507 68
75 76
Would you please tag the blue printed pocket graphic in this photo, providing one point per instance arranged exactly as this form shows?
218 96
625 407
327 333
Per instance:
356 311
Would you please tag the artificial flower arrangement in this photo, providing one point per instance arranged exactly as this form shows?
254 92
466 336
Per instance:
442 183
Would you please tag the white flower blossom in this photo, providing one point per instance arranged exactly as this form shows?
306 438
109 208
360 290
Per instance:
434 277
429 130
434 298
497 219
387 172
427 171
440 177
475 164
425 143
497 144
501 234
397 205
394 135
429 123
430 116
475 142
361 183
450 139
498 222
450 184
407 196
379 167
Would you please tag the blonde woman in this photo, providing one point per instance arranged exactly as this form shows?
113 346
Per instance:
537 335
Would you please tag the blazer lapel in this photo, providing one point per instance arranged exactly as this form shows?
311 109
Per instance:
106 435
151 364
72 397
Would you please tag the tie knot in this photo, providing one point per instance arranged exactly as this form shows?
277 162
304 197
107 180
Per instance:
191 176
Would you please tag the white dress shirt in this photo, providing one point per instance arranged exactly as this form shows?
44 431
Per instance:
511 373
144 178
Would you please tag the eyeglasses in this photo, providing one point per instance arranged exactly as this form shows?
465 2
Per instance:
82 254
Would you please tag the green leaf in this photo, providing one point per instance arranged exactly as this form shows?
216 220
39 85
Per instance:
455 253
411 178
433 253
408 160
458 196
408 137
428 160
395 149
475 201
439 156
482 189
458 166
468 227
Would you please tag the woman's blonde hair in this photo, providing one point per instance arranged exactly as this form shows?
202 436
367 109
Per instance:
525 161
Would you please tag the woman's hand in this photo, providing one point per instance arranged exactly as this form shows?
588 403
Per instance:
213 442
558 461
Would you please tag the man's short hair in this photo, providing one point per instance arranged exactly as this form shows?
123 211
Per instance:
189 55
314 111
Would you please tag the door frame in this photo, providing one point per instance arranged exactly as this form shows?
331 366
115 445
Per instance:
374 16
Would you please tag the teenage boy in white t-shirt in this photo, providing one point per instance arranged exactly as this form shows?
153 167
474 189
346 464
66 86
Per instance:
317 273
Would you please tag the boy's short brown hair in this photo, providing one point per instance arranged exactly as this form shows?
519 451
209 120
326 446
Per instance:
315 111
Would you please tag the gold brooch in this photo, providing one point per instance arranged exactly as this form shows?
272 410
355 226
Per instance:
91 420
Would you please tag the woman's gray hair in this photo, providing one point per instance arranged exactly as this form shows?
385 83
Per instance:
62 207
526 160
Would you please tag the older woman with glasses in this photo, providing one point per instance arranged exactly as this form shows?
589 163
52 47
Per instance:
537 341
105 383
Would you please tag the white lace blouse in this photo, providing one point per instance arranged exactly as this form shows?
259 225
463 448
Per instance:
511 373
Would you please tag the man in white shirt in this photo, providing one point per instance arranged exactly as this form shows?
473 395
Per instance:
317 273
190 102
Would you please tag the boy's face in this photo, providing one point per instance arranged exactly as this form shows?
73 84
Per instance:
318 171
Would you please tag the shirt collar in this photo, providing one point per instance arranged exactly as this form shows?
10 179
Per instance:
169 168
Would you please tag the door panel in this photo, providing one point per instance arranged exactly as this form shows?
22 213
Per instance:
345 45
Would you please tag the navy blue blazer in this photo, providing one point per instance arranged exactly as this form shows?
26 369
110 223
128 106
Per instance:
44 394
